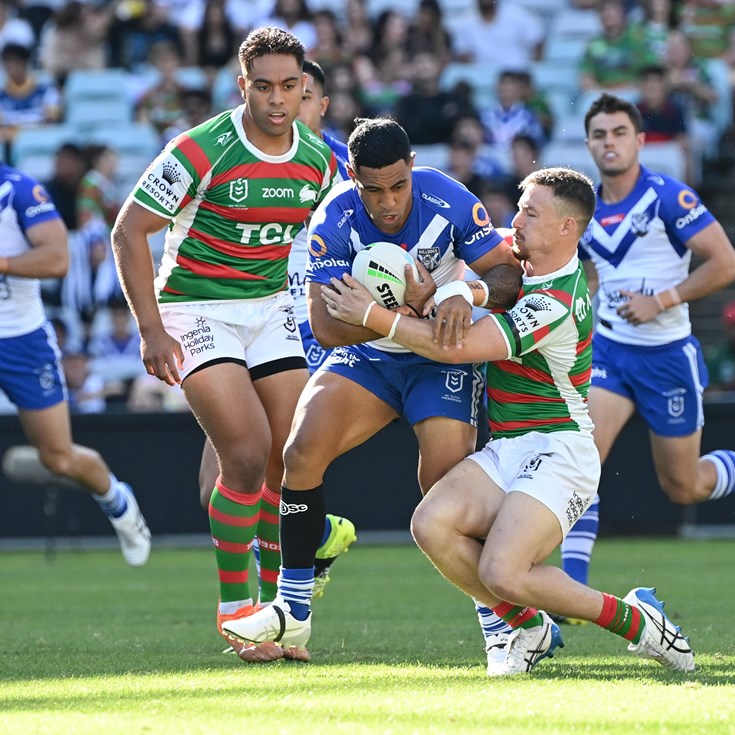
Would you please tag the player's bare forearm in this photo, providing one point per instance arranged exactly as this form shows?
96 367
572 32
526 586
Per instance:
135 269
717 269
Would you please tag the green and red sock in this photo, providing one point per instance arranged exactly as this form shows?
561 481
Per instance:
517 616
620 618
233 520
269 544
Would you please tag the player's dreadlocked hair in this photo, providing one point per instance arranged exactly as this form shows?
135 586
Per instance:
269 40
377 143
573 190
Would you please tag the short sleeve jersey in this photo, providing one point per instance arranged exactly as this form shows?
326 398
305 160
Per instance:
234 210
446 224
639 245
543 383
23 203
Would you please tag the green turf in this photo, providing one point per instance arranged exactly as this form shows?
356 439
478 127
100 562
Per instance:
91 646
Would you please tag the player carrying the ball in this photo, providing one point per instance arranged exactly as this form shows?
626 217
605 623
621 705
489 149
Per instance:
367 382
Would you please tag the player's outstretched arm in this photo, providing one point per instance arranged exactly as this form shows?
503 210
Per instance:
162 354
351 302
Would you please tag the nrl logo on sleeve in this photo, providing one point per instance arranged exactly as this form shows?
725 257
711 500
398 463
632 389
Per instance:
238 190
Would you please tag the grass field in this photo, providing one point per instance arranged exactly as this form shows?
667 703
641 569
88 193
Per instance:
91 646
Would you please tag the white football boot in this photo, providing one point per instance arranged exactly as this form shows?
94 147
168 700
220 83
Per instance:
132 531
526 647
661 640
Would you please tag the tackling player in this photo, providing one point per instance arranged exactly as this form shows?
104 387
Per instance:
525 489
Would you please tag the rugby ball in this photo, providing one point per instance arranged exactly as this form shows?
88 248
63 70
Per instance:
380 268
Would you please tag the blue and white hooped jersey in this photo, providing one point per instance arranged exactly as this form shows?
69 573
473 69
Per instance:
23 203
297 256
639 245
447 223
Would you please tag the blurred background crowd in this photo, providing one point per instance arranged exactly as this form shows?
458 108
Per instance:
488 91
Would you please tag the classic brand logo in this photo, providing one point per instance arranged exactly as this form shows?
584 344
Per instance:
222 139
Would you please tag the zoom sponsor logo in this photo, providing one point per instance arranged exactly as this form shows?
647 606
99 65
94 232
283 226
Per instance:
291 508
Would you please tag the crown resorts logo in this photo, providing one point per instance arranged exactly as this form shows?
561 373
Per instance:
171 173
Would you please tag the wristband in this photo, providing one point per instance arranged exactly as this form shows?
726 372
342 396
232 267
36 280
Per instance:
455 288
394 326
660 303
414 310
675 298
486 289
367 311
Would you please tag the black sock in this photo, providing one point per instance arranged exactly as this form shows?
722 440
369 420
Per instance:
302 526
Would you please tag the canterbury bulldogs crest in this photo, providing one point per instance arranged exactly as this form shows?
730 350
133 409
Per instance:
429 257
639 223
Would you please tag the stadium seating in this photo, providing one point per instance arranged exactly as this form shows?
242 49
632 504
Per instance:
34 148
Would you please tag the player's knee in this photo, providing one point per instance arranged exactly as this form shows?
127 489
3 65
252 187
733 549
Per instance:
245 462
59 462
427 526
300 451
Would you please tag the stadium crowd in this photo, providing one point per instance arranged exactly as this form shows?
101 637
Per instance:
488 91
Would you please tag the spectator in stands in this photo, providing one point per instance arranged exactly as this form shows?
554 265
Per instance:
615 58
133 34
663 119
36 13
358 34
524 160
692 88
721 363
115 351
76 38
381 75
428 113
148 394
99 199
537 102
657 21
86 390
24 101
462 165
709 26
13 29
69 167
162 105
500 32
294 16
510 116
469 129
197 104
501 208
329 51
344 107
213 44
427 33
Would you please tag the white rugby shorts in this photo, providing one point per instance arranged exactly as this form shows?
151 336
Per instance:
253 331
560 469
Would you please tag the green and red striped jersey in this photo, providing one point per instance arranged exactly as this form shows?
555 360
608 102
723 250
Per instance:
543 384
234 210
